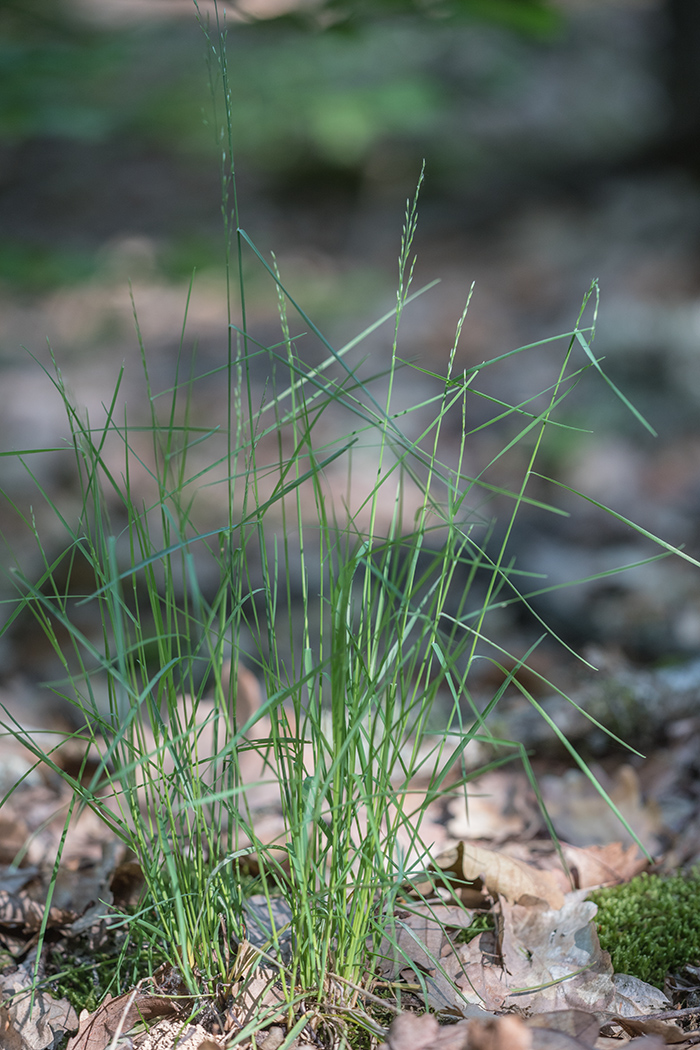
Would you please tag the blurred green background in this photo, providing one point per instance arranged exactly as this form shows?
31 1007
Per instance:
561 141
106 122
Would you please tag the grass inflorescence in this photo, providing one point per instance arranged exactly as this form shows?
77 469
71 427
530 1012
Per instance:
356 614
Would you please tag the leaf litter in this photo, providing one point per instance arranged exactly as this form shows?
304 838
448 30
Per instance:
536 978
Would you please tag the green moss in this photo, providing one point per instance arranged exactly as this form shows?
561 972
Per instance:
81 984
84 976
651 925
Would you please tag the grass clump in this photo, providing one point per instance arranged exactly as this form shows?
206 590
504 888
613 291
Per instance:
359 614
651 925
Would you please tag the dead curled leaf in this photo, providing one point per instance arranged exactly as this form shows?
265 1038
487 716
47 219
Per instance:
582 817
543 959
98 1029
604 865
411 1032
259 990
550 959
634 998
498 1033
503 876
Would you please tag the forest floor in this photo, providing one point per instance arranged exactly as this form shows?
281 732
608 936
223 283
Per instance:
641 630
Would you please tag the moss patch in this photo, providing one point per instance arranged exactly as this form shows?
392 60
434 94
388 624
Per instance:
651 925
84 975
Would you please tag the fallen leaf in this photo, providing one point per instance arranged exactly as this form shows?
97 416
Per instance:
10 1039
605 865
44 1024
413 1032
633 997
670 1033
543 959
550 959
498 806
174 1035
579 1024
254 987
498 1033
272 1038
98 1029
14 879
551 1039
421 935
503 876
582 817
20 911
127 884
13 835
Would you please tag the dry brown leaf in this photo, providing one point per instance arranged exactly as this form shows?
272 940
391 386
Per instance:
548 959
540 958
579 1024
633 997
176 1035
582 817
509 878
421 939
10 1039
503 876
411 1032
420 936
669 1032
499 1033
642 1042
551 1039
449 916
258 988
604 865
499 805
126 884
98 1029
539 946
20 911
13 835
12 880
556 953
564 1030
271 1039
45 1024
